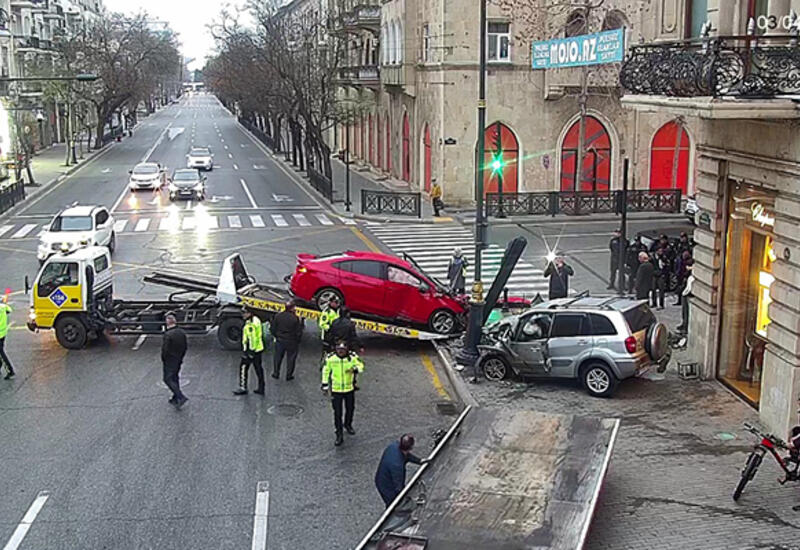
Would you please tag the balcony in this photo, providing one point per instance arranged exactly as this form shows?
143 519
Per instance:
28 44
363 76
741 67
364 16
30 4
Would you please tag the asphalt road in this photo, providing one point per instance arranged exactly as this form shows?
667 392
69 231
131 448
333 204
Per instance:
89 435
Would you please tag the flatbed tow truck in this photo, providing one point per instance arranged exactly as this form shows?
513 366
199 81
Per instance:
73 295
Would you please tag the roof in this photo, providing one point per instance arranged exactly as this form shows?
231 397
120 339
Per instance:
617 303
153 164
379 257
80 254
79 210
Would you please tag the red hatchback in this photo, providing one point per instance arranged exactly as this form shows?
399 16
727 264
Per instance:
378 286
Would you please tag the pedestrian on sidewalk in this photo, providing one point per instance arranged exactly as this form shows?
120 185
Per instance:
457 271
633 260
287 329
436 197
338 376
683 328
683 267
644 277
660 274
390 478
173 350
5 309
559 272
614 246
252 351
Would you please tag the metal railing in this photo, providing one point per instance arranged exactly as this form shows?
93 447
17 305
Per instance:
387 202
747 66
321 183
263 137
11 194
575 203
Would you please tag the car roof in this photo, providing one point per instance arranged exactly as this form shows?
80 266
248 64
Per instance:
366 255
146 165
85 253
589 303
200 148
79 210
192 171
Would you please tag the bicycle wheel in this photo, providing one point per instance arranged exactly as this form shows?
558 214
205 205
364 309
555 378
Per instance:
749 472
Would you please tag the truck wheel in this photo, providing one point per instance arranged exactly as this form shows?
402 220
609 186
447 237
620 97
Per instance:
229 333
71 332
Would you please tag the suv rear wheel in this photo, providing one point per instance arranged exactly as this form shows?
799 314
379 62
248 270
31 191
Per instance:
599 380
495 367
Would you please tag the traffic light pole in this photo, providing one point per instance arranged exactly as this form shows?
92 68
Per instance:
468 355
623 240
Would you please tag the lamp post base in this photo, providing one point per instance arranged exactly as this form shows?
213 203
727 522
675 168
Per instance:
469 354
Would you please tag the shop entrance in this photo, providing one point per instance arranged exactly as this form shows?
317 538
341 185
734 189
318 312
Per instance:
746 294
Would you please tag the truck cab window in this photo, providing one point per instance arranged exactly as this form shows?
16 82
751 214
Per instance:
55 275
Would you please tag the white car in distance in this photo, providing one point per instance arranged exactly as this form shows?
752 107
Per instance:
146 175
200 158
76 227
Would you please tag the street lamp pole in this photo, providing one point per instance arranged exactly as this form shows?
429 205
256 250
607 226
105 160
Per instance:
469 353
347 163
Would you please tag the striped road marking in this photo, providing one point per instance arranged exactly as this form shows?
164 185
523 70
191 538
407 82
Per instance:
257 221
279 220
301 220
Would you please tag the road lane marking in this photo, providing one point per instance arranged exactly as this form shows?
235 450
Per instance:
139 341
249 195
235 167
279 220
235 222
119 226
261 517
146 156
225 147
230 156
364 239
301 220
5 229
437 383
24 230
323 219
142 224
257 221
27 520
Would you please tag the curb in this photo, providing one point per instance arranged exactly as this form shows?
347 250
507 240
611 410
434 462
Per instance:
545 220
455 379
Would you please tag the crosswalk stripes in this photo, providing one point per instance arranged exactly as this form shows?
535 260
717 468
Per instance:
301 220
119 226
279 220
432 247
323 219
234 222
5 229
142 224
257 221
24 230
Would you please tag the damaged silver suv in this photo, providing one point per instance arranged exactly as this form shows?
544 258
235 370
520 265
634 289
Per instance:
598 340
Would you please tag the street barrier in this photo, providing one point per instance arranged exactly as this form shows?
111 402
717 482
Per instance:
263 137
575 203
321 183
11 194
387 202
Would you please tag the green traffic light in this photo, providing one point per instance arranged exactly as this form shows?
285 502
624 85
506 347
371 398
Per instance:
497 165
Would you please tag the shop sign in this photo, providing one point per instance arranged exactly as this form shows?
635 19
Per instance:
761 215
704 219
577 51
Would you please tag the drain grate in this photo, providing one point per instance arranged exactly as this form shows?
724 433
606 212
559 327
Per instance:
285 409
446 408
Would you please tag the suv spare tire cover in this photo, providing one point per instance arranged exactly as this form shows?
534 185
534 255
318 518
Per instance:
656 341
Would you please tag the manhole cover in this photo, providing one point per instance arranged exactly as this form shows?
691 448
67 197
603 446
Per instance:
285 409
725 436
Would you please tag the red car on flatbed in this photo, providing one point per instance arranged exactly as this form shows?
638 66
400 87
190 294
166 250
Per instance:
378 286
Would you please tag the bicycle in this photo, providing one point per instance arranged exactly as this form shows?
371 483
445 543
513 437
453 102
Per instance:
768 444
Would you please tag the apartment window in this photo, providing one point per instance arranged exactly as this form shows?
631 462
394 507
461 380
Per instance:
426 44
497 38
696 15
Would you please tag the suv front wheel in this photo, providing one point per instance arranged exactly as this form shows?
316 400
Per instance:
599 380
494 367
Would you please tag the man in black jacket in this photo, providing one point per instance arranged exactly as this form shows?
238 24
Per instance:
287 329
644 277
343 329
660 274
173 349
559 273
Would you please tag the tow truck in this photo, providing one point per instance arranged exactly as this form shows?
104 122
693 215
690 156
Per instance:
73 295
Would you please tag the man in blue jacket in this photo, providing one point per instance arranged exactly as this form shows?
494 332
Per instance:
391 475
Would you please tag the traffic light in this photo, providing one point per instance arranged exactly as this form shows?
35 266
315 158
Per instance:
497 163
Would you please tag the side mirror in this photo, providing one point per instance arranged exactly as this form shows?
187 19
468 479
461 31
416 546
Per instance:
130 171
27 285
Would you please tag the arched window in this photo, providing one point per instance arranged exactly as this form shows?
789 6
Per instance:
669 158
595 174
576 24
614 19
426 157
406 164
388 165
390 45
500 144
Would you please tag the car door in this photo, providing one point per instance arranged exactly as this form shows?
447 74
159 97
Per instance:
362 283
406 295
529 344
57 289
570 337
102 227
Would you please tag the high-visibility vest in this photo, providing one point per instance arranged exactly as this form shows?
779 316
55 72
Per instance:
326 319
5 309
252 335
338 372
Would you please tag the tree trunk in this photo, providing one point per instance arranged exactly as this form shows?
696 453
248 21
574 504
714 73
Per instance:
69 133
99 127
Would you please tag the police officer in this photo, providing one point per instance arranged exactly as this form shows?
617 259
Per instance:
326 318
337 375
5 309
252 350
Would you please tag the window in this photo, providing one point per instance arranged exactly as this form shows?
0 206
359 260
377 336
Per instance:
570 324
101 217
536 327
72 223
639 318
602 325
366 268
696 16
426 43
614 19
398 39
403 277
101 263
576 24
497 42
55 275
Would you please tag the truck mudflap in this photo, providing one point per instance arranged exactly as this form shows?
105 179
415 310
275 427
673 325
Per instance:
502 479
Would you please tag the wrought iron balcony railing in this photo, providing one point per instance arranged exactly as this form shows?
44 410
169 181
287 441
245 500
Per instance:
739 66
365 75
363 16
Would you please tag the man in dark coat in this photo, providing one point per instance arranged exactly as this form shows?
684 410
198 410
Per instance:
559 273
660 276
614 246
173 349
287 329
644 277
391 475
633 260
343 329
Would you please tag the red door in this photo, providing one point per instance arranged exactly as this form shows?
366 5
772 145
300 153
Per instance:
669 158
406 149
504 147
388 146
426 142
595 174
403 298
380 141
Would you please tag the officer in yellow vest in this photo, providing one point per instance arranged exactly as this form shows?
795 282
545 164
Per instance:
252 350
326 318
5 309
337 375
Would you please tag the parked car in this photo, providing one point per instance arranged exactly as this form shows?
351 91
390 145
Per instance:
186 183
691 210
200 158
378 286
597 340
76 227
146 175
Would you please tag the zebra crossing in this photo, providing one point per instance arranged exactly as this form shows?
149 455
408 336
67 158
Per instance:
432 246
190 221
